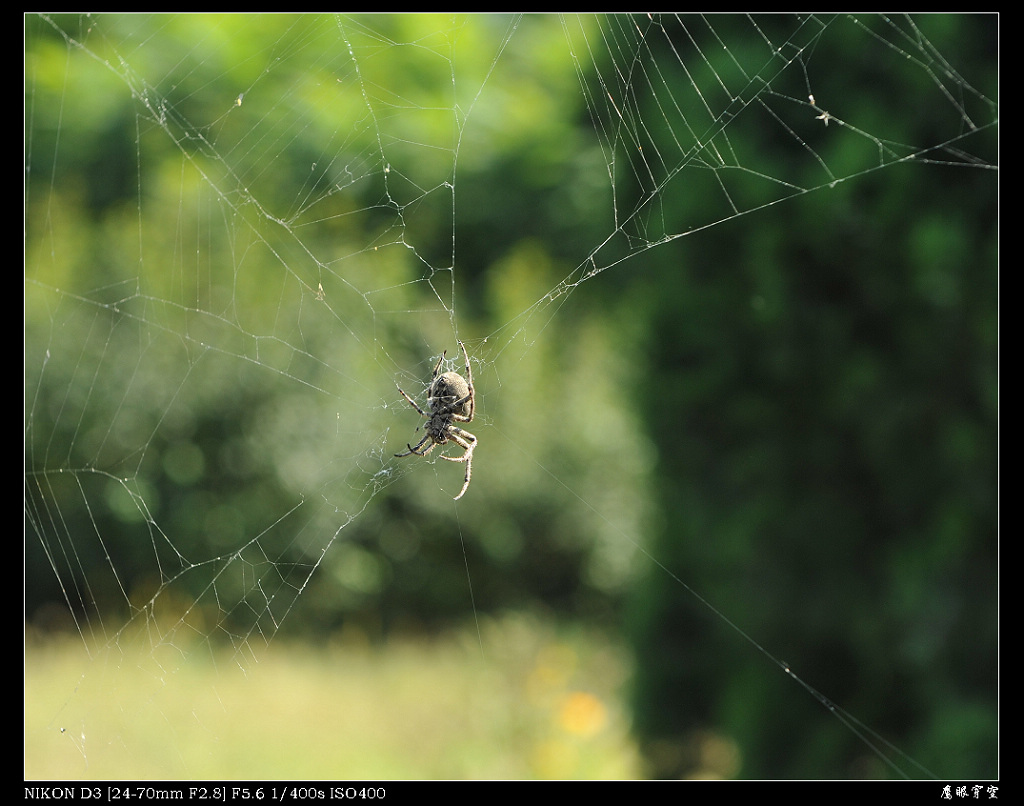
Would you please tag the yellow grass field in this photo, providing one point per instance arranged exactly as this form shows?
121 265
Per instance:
518 700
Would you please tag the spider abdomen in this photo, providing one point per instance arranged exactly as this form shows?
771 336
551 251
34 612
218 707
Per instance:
447 389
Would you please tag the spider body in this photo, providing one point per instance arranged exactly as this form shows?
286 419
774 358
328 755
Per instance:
451 399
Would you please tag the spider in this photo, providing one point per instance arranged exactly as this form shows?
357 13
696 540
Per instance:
452 400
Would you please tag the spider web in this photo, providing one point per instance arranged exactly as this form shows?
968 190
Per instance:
217 326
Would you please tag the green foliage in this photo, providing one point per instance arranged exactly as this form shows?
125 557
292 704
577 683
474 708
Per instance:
188 358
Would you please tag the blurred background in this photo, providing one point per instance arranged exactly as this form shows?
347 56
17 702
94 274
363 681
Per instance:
729 290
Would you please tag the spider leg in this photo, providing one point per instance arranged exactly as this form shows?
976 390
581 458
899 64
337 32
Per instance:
416 450
469 371
465 484
469 398
437 366
467 441
413 403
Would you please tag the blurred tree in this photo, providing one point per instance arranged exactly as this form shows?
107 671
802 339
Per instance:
823 391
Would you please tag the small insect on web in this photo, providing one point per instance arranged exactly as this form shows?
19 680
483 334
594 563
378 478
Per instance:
451 399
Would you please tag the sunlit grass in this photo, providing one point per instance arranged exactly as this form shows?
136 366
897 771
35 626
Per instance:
523 700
